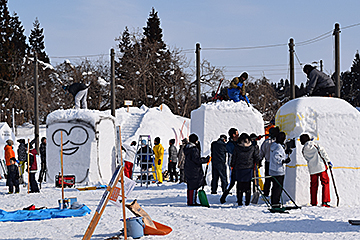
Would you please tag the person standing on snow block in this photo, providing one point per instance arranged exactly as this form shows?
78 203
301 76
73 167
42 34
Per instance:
33 169
13 177
79 91
159 158
265 153
181 160
129 158
278 160
173 159
42 174
243 161
318 84
236 91
194 174
218 164
230 145
318 162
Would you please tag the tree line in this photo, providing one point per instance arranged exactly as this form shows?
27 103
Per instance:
147 71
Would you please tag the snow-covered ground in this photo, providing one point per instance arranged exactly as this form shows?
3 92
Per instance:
167 204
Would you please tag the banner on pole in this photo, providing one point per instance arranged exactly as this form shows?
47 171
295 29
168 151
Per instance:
115 197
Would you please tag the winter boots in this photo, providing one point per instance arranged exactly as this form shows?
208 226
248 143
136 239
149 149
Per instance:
247 197
191 198
223 197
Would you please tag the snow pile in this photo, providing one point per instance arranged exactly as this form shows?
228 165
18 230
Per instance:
89 146
5 134
213 119
335 124
155 122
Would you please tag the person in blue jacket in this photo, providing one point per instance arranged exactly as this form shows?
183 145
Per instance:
236 91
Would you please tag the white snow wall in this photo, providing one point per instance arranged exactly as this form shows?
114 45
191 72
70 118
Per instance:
89 145
213 119
335 124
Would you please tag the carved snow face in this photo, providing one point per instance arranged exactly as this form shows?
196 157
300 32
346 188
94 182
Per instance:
72 139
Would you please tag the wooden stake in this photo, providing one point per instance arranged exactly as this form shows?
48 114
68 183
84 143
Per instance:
62 171
28 165
122 187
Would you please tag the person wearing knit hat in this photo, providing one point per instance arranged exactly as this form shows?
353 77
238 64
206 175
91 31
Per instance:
9 152
194 174
318 84
236 91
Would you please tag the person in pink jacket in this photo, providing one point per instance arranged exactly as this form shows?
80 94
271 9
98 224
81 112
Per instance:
318 162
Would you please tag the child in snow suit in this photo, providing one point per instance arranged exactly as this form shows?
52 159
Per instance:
318 162
159 158
173 159
13 177
194 174
277 168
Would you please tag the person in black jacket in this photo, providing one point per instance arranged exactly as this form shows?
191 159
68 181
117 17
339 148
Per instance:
218 164
13 177
318 84
243 161
79 91
194 173
42 175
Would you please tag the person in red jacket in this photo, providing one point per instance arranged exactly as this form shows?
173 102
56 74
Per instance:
33 169
9 154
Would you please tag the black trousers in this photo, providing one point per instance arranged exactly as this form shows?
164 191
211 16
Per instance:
42 174
182 175
33 184
11 186
241 188
324 92
277 189
218 171
172 171
267 183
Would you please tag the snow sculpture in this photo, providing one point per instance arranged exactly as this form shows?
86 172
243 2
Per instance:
213 119
89 145
335 124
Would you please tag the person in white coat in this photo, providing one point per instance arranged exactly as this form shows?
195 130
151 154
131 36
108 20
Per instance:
318 162
278 159
130 152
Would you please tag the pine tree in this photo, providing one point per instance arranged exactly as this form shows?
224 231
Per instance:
356 63
36 40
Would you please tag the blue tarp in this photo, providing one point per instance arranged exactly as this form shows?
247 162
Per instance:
32 215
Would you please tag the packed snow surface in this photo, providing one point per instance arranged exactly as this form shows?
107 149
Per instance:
167 204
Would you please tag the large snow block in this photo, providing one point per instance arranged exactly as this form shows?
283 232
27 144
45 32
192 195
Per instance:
89 145
5 134
213 119
335 124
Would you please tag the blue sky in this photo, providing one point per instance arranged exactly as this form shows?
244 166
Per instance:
89 27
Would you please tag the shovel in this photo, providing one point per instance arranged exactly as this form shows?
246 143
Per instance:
256 194
202 195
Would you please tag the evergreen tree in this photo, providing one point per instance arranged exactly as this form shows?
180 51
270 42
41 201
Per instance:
36 40
356 63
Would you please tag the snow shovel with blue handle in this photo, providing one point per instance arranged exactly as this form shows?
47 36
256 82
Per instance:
202 195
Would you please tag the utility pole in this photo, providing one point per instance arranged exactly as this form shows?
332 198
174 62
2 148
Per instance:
321 65
198 87
292 72
337 59
36 102
112 84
